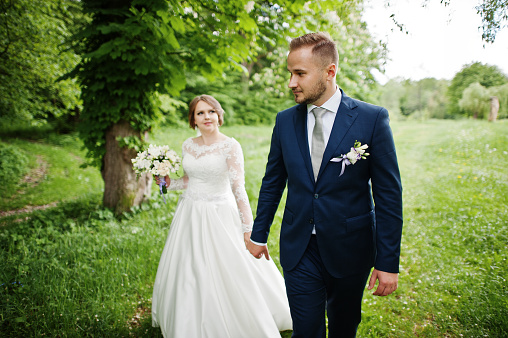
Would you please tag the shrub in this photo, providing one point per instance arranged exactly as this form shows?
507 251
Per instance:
13 164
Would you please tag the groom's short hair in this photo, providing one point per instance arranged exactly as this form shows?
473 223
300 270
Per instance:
212 102
322 46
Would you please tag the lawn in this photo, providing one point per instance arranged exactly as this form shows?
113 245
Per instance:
77 270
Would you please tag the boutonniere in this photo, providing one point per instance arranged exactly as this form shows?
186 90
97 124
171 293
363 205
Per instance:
356 153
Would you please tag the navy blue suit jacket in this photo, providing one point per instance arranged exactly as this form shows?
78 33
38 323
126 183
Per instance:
358 216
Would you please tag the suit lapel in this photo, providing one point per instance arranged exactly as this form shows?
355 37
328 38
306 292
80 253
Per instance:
346 115
300 120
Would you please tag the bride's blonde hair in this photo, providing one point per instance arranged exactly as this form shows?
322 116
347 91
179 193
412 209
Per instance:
212 102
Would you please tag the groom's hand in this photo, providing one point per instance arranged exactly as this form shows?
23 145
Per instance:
258 250
387 282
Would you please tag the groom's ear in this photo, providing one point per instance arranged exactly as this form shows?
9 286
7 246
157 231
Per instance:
331 71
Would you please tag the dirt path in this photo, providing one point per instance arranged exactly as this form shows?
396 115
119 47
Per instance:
27 209
33 178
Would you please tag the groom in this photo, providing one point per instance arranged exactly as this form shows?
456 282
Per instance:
342 216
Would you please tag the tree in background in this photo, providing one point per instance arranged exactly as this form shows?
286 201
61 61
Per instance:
415 99
33 36
501 92
255 96
389 96
359 55
134 51
494 15
475 101
423 98
486 75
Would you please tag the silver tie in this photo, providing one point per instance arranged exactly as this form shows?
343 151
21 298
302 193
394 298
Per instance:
318 141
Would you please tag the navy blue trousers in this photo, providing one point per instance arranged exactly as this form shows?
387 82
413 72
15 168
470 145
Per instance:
311 291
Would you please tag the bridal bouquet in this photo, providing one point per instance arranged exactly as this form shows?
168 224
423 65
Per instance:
356 153
159 161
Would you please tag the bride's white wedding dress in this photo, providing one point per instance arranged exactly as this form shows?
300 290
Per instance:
207 283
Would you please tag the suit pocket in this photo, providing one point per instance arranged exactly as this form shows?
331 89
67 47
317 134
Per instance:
288 217
360 222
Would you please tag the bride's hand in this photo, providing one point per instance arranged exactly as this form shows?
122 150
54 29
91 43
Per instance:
258 251
246 238
166 179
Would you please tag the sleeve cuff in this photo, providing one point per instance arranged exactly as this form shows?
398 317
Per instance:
257 243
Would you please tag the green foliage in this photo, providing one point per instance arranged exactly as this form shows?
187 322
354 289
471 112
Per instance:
359 54
494 15
453 271
135 49
33 55
487 76
129 53
76 269
501 92
130 142
421 99
172 109
247 103
256 95
13 165
136 52
475 101
53 173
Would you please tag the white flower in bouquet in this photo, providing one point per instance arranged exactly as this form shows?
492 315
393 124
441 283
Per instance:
154 150
163 168
172 156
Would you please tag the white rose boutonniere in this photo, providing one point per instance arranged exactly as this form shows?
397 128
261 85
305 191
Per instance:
356 153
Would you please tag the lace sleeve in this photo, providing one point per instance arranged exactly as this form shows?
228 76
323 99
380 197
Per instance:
180 183
237 180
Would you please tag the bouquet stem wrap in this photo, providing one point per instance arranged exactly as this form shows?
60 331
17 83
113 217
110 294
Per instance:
162 188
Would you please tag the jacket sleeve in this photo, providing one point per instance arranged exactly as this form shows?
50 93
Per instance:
387 194
272 188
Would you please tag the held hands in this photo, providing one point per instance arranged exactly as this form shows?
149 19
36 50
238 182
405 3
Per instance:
246 237
256 250
387 282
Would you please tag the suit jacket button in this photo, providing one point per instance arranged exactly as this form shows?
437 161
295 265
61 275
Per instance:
316 196
311 221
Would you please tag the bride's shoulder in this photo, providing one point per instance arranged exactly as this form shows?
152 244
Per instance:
230 141
188 143
233 146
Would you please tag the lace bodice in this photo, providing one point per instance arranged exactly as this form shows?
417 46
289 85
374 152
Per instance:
214 173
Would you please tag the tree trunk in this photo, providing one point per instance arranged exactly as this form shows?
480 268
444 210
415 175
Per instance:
494 108
122 189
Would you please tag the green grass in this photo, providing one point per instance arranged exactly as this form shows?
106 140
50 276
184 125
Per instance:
76 270
454 270
54 175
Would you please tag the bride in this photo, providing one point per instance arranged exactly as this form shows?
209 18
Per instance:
207 283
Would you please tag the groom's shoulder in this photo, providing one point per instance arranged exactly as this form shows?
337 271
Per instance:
363 106
289 112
